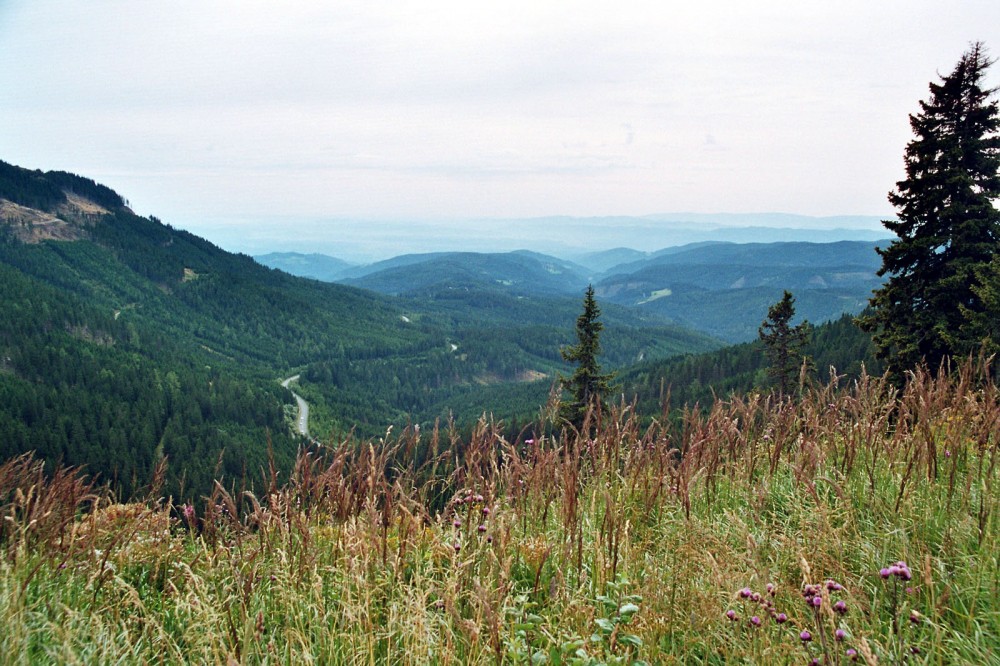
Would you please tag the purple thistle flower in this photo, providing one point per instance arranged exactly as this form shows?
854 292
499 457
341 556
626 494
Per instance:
489 539
731 614
755 597
817 602
486 510
884 572
834 586
771 589
781 618
746 592
755 621
481 528
458 522
852 654
840 606
457 546
805 636
840 635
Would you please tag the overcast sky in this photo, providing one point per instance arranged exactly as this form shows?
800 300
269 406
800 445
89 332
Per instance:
201 112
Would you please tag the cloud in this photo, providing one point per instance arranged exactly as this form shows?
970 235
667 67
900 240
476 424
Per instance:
460 109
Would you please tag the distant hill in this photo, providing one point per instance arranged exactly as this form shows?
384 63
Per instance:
520 273
725 289
315 266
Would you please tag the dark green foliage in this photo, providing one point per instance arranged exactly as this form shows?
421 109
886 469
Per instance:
838 346
587 385
948 226
783 343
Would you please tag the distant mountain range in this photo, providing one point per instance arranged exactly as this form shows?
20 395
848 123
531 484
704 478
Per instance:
720 288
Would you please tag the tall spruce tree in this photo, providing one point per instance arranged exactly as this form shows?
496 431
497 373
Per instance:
588 385
783 343
948 228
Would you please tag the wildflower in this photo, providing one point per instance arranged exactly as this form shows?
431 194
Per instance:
852 654
817 602
746 593
489 539
529 442
884 572
805 636
731 614
834 586
915 616
840 635
914 650
486 510
755 597
458 522
771 589
457 547
781 618
755 621
840 607
481 528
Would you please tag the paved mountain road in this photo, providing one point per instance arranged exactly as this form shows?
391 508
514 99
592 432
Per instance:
302 424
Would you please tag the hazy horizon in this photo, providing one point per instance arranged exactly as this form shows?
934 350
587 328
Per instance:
362 241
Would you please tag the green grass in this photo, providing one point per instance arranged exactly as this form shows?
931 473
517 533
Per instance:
628 546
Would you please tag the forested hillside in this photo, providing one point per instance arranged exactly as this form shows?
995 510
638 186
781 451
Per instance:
838 346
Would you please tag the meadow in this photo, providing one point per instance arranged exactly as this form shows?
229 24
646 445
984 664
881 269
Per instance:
852 524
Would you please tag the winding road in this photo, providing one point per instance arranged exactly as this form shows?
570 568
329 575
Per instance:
302 425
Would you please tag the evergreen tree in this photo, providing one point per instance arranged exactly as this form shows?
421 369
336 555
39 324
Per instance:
783 343
948 228
588 384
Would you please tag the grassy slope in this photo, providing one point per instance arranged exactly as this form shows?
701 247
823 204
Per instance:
608 550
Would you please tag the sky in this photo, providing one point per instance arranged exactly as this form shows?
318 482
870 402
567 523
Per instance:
291 123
